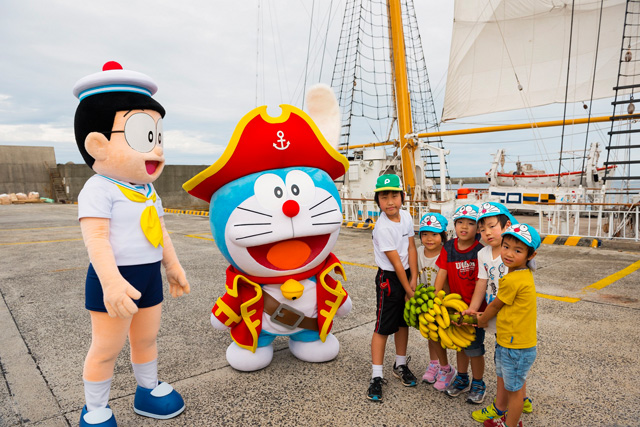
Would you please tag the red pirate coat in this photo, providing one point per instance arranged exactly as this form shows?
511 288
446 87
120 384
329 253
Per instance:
242 306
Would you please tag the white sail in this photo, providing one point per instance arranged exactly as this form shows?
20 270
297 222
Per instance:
494 41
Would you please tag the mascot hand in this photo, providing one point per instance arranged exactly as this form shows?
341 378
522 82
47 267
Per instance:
178 284
218 324
345 308
118 296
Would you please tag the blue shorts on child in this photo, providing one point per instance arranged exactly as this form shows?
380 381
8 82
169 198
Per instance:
146 278
513 364
389 302
476 348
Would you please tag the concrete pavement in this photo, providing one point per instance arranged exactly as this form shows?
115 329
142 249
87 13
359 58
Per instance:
584 374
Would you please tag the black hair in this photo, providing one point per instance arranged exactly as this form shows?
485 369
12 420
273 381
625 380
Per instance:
502 219
96 113
443 235
530 250
376 197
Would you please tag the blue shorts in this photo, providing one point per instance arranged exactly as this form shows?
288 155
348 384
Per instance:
513 364
146 278
476 348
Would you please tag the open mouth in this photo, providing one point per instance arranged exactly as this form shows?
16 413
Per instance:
289 254
151 166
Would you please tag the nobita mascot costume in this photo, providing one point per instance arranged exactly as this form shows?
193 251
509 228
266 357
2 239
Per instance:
118 129
275 214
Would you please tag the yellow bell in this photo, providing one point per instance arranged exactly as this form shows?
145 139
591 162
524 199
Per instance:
292 289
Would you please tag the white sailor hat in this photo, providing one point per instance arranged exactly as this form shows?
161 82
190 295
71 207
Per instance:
113 78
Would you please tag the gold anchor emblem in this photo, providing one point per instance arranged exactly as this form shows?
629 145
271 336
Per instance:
281 140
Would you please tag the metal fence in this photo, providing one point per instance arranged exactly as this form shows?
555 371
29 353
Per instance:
616 221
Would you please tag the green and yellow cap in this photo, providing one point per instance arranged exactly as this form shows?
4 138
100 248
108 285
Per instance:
388 182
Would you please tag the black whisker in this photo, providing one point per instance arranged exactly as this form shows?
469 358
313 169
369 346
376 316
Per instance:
254 235
327 223
332 210
255 223
256 212
312 207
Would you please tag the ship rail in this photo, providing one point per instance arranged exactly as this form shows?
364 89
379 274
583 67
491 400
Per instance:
614 221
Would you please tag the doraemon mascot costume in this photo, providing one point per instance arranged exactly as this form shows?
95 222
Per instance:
118 129
275 215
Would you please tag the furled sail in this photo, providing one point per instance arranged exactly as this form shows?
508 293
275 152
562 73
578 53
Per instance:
499 45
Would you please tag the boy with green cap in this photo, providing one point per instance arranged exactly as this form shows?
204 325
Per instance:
397 260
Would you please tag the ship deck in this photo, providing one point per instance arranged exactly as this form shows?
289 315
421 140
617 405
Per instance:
584 375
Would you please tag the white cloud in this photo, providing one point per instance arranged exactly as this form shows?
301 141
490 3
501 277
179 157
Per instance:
31 133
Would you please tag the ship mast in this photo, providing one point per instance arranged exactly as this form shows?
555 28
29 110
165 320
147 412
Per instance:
403 101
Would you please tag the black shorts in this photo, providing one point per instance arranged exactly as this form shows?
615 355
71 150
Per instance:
146 278
389 302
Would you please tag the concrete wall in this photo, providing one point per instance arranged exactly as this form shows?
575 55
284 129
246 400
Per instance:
25 169
168 186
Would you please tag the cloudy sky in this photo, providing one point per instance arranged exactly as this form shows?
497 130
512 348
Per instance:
213 61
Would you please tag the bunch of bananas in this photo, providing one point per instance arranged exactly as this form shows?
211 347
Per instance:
438 318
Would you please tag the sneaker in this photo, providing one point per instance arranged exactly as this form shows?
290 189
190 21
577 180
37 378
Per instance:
445 378
375 389
476 395
457 387
487 413
527 408
498 422
403 372
430 374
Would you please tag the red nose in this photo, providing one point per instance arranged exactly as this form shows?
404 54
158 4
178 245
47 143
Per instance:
290 208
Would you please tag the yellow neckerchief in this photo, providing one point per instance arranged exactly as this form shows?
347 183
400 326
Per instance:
149 220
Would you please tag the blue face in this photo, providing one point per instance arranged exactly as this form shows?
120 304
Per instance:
276 222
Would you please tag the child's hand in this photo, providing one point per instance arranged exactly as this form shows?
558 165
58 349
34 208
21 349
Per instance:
178 284
118 298
482 322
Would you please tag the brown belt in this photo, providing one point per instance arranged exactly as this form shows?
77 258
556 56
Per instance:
287 316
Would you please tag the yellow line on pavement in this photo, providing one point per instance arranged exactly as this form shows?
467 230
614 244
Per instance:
612 278
553 297
198 237
360 265
41 241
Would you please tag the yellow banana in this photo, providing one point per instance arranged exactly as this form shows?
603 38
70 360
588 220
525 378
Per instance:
432 326
424 330
462 334
433 335
440 321
441 294
456 304
437 300
429 317
469 329
457 340
445 317
444 337
437 309
422 319
432 312
452 296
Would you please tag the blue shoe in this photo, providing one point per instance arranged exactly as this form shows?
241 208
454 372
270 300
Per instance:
162 402
102 417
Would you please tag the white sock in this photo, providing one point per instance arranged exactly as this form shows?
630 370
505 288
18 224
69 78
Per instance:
401 360
376 371
146 373
96 394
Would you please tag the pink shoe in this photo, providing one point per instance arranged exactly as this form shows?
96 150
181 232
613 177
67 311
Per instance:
445 378
498 422
429 376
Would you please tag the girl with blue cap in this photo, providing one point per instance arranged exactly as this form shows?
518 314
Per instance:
433 234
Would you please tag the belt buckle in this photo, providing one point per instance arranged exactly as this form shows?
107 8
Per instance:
277 313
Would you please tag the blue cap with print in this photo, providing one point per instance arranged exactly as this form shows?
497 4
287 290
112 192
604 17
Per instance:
488 209
433 222
466 211
525 233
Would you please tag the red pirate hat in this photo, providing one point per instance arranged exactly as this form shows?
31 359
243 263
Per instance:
261 142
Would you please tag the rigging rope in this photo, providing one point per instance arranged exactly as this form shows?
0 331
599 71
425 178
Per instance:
566 90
